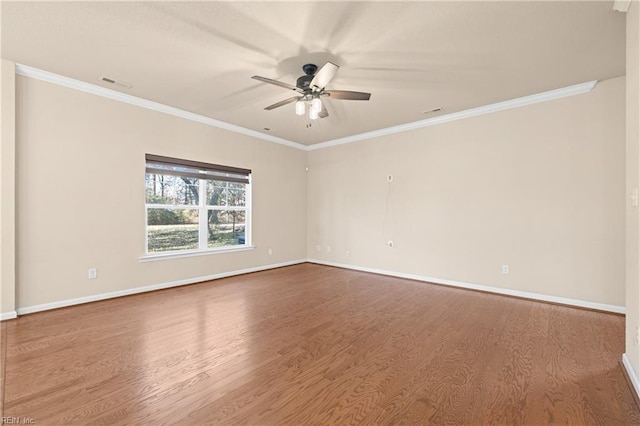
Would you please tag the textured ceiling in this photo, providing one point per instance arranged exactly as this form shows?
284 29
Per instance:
412 56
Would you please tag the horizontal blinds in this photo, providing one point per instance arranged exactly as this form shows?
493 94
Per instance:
177 167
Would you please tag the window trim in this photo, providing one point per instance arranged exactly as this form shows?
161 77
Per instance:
152 257
203 237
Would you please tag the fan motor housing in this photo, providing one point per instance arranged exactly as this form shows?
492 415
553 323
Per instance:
303 82
309 71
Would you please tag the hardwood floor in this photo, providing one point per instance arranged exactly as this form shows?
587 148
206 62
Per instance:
311 344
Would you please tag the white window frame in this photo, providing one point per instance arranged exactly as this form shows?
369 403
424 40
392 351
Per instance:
203 230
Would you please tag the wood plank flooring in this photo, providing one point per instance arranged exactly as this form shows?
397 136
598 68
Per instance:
311 344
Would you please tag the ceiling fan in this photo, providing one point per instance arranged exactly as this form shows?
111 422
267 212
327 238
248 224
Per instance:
310 88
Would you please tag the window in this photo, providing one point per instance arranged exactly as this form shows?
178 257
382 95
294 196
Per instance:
193 206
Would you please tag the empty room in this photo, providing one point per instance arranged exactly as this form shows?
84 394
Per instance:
323 212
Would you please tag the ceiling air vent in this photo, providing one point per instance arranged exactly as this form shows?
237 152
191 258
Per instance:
431 111
115 82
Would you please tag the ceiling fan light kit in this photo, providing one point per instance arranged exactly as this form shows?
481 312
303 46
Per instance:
313 113
315 106
310 88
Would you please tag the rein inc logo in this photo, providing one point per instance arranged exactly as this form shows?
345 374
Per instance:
17 421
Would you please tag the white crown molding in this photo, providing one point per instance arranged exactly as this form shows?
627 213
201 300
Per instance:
633 377
473 112
8 315
155 106
161 286
144 103
480 287
621 5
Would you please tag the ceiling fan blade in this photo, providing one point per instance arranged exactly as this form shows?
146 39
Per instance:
324 76
348 95
323 112
281 103
276 82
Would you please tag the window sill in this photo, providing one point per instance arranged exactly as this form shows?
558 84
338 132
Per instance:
178 255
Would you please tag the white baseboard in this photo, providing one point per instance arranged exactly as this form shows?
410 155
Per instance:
631 373
479 287
460 284
8 315
130 291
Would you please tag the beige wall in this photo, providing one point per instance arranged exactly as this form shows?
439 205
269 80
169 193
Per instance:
633 182
80 203
540 188
7 189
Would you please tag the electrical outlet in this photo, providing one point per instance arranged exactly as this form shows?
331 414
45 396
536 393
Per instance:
348 253
505 269
93 273
270 251
389 178
390 244
634 197
328 249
